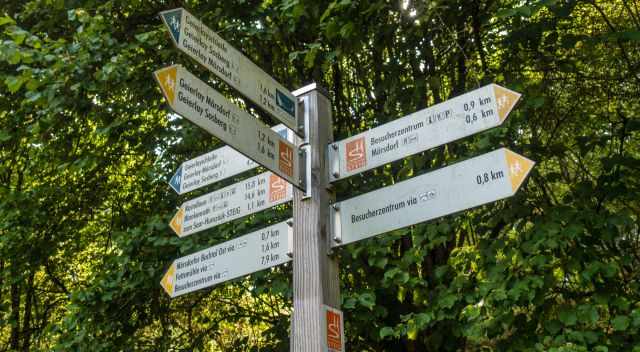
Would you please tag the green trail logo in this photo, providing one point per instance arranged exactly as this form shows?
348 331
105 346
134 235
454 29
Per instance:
285 103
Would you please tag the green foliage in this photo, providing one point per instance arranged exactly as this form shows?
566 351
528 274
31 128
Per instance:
86 148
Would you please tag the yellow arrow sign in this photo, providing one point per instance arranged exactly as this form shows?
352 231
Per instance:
176 222
168 280
505 100
519 168
167 80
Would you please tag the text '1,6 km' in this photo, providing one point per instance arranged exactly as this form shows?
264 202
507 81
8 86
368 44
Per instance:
229 260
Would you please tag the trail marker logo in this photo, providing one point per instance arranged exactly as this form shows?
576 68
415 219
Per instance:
356 154
277 188
167 281
176 222
334 330
285 158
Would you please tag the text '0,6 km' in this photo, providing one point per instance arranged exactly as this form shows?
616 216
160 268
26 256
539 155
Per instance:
196 101
471 183
210 50
462 116
232 259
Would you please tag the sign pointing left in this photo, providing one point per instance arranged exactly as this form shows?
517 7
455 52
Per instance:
215 166
211 51
229 260
204 106
229 203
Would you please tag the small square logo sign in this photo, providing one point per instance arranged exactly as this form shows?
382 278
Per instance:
285 158
277 188
334 329
356 154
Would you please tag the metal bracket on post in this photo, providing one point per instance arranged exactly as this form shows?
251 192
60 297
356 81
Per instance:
302 116
290 238
303 149
333 154
335 227
305 169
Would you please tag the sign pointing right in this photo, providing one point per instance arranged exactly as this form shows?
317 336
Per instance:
471 183
462 116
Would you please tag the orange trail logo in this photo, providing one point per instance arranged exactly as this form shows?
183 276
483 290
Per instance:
356 154
334 331
285 160
277 188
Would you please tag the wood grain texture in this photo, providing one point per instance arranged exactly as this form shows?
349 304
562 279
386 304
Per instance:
315 274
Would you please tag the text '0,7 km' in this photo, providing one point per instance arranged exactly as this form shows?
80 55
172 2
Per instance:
241 256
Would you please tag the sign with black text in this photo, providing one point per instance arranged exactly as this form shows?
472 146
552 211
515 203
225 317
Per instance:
211 51
241 256
456 118
467 184
232 202
196 101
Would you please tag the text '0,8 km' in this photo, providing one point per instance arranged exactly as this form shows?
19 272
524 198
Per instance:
206 47
473 182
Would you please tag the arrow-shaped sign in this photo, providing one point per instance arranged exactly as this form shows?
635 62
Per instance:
229 203
215 166
204 106
229 260
205 46
462 116
480 180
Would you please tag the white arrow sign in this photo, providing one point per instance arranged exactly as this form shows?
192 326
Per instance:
462 116
232 259
215 166
232 202
210 50
204 106
480 180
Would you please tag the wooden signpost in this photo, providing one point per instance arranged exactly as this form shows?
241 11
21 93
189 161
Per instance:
307 163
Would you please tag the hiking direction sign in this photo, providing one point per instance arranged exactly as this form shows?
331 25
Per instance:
467 184
462 116
206 47
229 260
215 166
193 99
229 203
